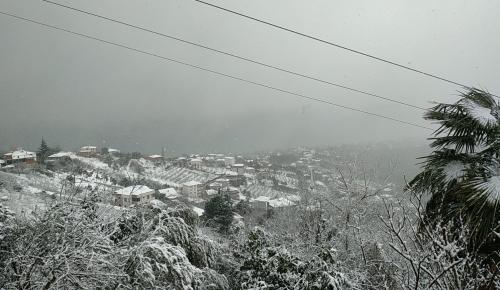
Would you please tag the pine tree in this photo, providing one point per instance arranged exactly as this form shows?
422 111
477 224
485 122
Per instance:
43 151
220 211
462 174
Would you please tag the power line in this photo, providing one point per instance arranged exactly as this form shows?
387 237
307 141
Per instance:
340 46
213 71
239 57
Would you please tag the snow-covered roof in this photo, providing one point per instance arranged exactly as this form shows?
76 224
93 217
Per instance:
22 154
211 192
111 150
154 156
2 161
261 198
192 183
196 160
61 154
169 193
198 211
280 202
293 197
134 190
238 165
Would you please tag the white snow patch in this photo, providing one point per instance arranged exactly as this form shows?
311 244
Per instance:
281 202
453 170
480 114
169 193
134 190
198 211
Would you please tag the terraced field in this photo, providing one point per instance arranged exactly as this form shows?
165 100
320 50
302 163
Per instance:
257 190
180 175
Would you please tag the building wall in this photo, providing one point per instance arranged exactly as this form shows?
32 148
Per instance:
128 200
193 191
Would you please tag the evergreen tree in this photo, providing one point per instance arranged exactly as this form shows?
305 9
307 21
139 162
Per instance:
462 174
219 210
43 151
243 207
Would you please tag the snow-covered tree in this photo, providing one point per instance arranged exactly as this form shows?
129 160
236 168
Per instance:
462 174
71 245
430 254
43 151
219 211
57 248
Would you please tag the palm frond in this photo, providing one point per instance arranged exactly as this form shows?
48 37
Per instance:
463 173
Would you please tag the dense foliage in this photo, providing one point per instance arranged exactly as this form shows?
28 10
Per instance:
81 246
219 211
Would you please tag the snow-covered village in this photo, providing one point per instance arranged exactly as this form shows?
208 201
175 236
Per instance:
205 145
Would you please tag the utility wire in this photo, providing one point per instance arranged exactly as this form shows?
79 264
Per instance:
341 46
213 71
238 56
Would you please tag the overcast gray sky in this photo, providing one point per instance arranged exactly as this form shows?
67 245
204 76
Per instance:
75 91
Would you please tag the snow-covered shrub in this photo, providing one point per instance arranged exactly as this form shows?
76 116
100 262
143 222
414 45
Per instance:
71 245
203 252
265 265
156 264
437 254
57 248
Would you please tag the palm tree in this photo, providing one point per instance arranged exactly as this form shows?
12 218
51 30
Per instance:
462 174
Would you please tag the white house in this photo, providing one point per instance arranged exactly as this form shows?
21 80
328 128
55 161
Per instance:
239 168
192 189
88 151
196 162
20 156
133 195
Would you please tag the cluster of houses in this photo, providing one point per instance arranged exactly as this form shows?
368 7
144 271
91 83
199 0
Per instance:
21 156
227 183
140 194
